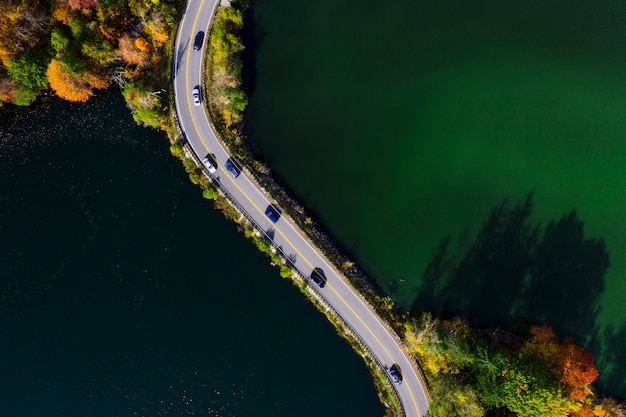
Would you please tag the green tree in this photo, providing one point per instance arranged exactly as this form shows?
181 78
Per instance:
237 98
29 69
59 41
451 398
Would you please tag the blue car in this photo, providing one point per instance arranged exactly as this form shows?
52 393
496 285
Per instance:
272 213
318 277
197 42
232 168
395 374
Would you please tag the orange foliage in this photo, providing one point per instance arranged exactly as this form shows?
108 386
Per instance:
130 53
142 44
573 363
70 86
66 84
585 411
577 370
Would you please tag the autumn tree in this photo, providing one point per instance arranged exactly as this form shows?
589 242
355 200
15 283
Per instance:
156 28
574 364
70 85
577 370
81 4
584 411
543 343
129 52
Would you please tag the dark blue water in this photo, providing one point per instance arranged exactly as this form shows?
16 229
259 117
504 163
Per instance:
124 293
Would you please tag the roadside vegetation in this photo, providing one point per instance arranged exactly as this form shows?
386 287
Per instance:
227 101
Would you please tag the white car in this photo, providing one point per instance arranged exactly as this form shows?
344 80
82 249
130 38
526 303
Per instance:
209 163
196 96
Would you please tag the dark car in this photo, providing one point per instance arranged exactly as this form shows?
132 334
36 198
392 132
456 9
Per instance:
197 42
272 213
318 277
232 168
395 374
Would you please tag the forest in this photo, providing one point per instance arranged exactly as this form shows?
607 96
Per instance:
76 47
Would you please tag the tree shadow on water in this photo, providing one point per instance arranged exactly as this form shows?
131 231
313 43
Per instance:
515 273
567 277
482 281
612 379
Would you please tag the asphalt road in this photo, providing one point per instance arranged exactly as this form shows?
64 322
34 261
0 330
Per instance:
337 292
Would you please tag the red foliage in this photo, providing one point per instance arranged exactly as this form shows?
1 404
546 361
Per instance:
82 4
6 89
573 363
577 369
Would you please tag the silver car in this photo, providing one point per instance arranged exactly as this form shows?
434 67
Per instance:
196 96
209 163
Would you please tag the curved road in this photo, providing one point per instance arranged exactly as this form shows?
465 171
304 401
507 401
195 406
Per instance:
338 294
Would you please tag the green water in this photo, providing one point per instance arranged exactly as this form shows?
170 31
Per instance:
398 124
124 293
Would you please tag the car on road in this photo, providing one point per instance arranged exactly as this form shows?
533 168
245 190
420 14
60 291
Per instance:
196 95
395 374
232 168
272 213
209 163
318 277
197 42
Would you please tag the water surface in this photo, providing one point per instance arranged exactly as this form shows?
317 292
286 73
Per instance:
400 124
124 293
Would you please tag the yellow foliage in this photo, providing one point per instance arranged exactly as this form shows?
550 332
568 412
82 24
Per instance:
133 74
599 411
422 340
63 15
156 30
159 37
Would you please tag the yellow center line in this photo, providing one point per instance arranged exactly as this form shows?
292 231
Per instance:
232 180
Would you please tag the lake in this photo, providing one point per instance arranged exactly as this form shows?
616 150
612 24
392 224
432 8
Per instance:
124 293
400 124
